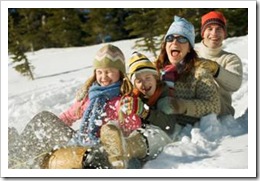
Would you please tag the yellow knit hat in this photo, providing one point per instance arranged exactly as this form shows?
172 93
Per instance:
140 63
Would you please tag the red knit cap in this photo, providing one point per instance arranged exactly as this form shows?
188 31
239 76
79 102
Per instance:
213 17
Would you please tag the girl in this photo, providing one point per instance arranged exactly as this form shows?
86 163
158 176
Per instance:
98 102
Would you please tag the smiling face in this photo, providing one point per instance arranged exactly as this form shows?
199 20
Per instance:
107 76
213 36
146 83
176 51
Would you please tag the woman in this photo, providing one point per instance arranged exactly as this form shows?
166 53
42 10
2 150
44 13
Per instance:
195 93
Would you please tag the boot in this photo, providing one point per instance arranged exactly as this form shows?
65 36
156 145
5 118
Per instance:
96 158
65 158
120 150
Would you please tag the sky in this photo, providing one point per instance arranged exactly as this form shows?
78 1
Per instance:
225 148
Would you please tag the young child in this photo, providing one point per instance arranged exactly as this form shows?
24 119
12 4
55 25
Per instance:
147 142
98 102
148 89
99 99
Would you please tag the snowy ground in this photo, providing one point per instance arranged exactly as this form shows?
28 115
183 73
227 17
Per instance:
211 144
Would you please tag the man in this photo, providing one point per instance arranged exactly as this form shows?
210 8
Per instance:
226 67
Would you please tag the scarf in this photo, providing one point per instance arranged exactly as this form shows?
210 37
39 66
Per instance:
93 116
170 74
153 99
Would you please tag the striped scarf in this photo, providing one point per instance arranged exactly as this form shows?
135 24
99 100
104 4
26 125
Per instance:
93 116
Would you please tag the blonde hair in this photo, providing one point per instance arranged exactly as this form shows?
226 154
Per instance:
126 88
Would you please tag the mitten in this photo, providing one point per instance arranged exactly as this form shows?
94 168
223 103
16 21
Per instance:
165 105
170 105
179 106
130 105
211 66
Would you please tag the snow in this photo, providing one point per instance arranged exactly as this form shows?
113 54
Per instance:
212 148
59 72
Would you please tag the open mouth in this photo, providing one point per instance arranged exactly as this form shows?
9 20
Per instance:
214 39
146 90
175 53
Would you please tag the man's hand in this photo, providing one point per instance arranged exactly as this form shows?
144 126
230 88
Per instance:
210 65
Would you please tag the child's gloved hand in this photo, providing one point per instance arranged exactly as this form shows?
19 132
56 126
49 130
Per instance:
170 105
134 105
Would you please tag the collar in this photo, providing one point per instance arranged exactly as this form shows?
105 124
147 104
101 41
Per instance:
207 52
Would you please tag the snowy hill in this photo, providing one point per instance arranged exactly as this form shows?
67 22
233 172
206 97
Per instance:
211 144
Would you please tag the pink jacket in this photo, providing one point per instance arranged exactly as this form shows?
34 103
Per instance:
128 123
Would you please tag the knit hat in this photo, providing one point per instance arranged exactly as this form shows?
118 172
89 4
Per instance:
182 27
110 56
140 63
213 17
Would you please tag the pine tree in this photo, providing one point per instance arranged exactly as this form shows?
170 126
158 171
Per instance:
98 26
64 27
144 23
237 21
22 65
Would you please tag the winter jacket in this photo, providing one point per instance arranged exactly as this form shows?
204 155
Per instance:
112 107
199 95
157 117
230 74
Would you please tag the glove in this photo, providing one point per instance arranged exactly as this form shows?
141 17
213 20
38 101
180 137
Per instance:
170 105
211 66
134 105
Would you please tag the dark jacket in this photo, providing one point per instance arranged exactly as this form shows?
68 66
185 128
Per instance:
158 118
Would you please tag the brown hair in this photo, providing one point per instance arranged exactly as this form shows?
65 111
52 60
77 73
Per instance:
189 59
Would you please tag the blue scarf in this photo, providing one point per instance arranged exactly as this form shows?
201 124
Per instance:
94 114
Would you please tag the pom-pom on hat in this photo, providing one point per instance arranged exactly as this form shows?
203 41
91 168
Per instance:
140 63
213 17
110 56
182 27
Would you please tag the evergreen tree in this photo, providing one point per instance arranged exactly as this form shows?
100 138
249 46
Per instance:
144 23
237 21
64 27
37 28
29 27
99 26
117 29
17 49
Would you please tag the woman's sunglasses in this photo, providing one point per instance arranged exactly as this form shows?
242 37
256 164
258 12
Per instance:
180 39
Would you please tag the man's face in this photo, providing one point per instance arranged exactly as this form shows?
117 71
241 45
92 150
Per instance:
213 36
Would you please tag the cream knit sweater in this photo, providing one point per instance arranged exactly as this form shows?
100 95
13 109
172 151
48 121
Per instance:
230 75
